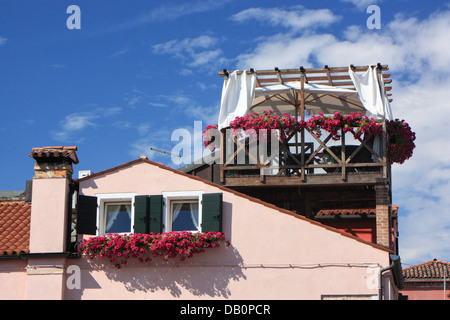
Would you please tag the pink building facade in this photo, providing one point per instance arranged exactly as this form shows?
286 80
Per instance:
273 253
427 281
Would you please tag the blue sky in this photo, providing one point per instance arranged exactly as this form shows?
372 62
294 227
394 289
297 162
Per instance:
136 72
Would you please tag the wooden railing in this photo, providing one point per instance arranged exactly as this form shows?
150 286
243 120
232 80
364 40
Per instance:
303 156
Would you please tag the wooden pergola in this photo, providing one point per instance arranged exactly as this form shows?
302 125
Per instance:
300 161
330 76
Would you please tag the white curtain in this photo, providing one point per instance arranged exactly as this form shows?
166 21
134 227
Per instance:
194 213
176 210
113 214
237 96
193 208
370 87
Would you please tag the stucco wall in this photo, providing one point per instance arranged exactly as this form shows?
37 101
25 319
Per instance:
48 215
13 279
274 255
425 291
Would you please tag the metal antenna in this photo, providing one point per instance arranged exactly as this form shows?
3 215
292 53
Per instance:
168 153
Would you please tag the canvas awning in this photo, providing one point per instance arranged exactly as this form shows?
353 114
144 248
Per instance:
301 92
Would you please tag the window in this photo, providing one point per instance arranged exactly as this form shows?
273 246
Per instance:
117 217
182 211
170 211
178 211
105 213
184 215
115 213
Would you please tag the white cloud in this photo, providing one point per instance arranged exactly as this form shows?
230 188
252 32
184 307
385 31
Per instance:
361 4
206 86
284 51
163 13
118 53
421 185
296 18
143 128
181 104
178 99
208 115
78 121
135 98
159 105
156 138
57 66
205 57
177 47
2 40
406 44
192 51
132 101
75 124
185 72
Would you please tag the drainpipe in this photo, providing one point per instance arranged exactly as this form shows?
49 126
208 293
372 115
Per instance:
445 274
380 278
396 273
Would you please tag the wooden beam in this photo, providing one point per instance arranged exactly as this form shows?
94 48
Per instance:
311 180
333 76
306 71
278 73
330 81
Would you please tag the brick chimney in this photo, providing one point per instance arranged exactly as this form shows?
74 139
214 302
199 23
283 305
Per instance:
50 198
49 225
383 216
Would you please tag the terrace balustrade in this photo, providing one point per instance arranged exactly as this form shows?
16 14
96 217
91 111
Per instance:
304 158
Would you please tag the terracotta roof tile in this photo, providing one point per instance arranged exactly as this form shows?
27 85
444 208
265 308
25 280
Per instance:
345 212
14 227
431 270
352 212
55 152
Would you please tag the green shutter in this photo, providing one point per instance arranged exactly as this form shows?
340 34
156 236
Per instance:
141 214
212 212
86 215
156 214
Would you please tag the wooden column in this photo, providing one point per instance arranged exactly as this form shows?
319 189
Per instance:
302 114
223 155
383 207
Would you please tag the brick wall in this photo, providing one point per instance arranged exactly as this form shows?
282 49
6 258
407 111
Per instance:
383 206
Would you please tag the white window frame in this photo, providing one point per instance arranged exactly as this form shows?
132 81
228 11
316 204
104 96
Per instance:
112 198
170 197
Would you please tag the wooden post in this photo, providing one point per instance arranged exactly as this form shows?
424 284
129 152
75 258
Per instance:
343 154
384 138
302 96
302 134
222 156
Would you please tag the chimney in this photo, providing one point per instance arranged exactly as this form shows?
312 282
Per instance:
51 198
49 225
383 216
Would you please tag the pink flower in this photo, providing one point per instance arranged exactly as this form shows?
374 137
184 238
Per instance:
142 246
400 136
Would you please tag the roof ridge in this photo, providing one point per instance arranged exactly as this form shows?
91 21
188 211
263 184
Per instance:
427 263
237 193
428 271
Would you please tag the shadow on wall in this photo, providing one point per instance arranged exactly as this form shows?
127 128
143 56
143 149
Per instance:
177 277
